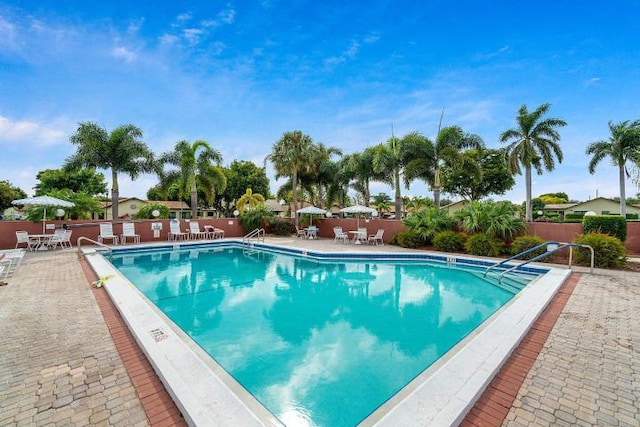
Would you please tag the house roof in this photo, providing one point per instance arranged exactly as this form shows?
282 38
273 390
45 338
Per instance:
559 206
171 204
274 205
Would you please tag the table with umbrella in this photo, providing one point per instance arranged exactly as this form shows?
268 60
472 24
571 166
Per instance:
311 210
44 201
358 210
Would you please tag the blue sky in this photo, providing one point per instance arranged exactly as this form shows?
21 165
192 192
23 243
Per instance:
239 74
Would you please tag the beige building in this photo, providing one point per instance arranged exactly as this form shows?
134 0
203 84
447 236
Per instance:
599 205
130 206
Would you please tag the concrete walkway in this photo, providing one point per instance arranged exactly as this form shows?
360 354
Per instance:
59 365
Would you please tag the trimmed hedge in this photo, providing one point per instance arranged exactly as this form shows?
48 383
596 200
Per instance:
408 239
281 228
573 216
482 245
613 225
523 243
609 251
448 241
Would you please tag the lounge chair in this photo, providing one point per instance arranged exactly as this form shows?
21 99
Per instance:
129 230
174 231
57 239
106 233
194 231
213 232
10 260
338 234
376 238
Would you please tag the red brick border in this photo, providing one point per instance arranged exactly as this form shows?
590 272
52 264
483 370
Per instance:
496 401
160 409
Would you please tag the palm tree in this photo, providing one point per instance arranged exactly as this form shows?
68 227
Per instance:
535 143
120 151
360 168
623 145
387 158
249 199
196 165
290 156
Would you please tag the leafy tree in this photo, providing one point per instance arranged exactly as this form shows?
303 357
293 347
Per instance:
85 205
85 179
623 146
359 167
198 164
548 199
249 199
290 156
9 193
533 143
146 211
118 151
320 181
240 176
381 198
477 173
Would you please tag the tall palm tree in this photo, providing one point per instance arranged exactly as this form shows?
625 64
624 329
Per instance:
118 151
387 160
623 145
192 161
360 168
290 156
533 143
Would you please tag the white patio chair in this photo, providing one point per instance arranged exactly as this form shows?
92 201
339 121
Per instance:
338 234
57 239
376 238
129 230
194 230
10 261
312 232
106 232
300 233
362 234
22 238
66 238
174 231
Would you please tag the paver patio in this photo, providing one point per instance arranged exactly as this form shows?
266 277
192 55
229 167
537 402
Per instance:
59 364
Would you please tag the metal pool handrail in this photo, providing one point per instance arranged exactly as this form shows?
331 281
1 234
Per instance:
92 241
258 234
552 247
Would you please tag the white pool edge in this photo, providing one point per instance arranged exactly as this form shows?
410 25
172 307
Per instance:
439 398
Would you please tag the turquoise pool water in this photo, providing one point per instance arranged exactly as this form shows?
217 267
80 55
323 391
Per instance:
316 342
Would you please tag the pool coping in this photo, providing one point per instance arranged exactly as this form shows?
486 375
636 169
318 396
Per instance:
441 395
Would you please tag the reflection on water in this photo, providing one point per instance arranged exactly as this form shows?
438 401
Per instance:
317 343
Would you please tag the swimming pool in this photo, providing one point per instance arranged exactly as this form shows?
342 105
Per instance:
323 343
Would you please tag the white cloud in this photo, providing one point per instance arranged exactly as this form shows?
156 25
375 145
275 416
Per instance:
123 53
33 132
183 17
7 34
593 80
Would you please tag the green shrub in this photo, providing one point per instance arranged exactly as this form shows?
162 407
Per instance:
573 217
632 216
146 212
448 241
427 222
408 239
524 243
483 245
259 217
281 227
613 225
609 251
497 219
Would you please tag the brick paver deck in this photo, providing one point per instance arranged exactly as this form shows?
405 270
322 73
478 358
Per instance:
59 364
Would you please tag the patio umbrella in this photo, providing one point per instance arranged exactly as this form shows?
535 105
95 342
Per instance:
43 201
358 209
311 210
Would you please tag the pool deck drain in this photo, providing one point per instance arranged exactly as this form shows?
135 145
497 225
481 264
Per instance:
587 372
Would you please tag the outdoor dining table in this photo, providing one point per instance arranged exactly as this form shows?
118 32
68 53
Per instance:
358 236
41 240
311 233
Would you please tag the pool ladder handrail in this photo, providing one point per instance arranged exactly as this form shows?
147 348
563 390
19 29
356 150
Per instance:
78 244
552 247
257 234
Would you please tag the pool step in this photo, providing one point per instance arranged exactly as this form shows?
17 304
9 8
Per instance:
510 282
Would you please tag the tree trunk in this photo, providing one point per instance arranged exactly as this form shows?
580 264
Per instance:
527 180
623 198
367 193
398 204
294 194
115 194
436 188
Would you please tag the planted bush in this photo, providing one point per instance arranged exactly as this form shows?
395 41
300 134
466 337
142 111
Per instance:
427 222
609 251
259 217
497 219
449 241
613 225
524 243
408 239
281 227
482 244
